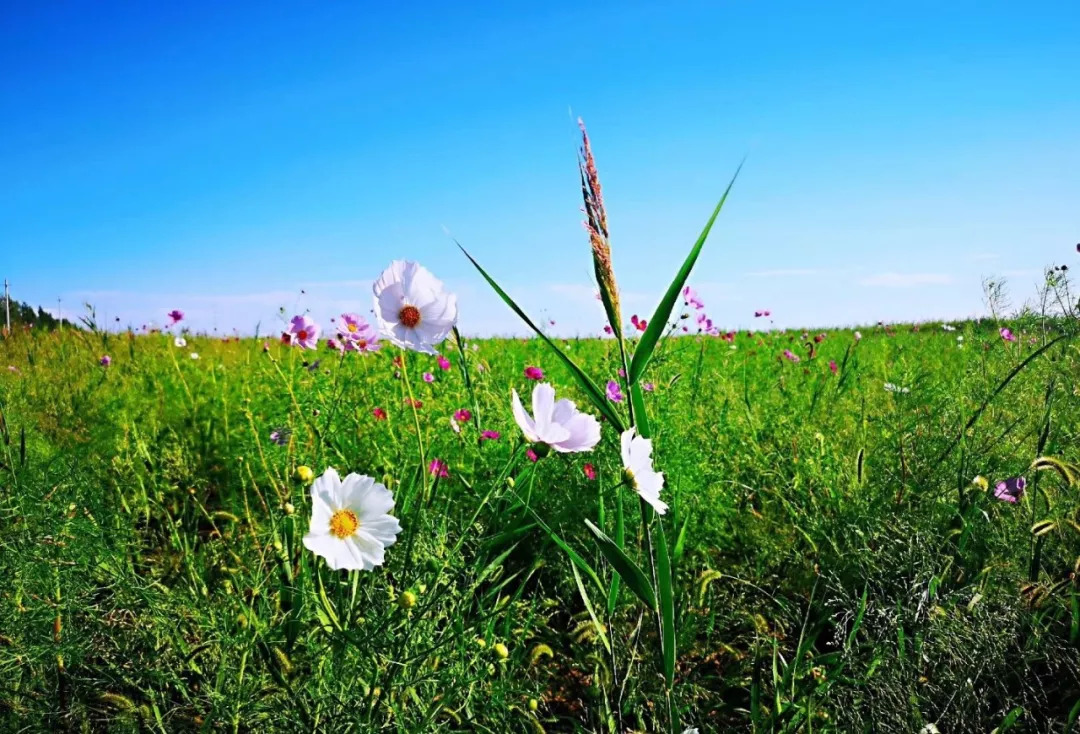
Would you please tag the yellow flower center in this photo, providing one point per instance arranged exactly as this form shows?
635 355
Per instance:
343 523
352 328
628 477
409 316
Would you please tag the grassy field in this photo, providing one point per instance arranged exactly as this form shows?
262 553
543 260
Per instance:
834 566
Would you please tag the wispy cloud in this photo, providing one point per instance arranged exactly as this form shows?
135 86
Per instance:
906 280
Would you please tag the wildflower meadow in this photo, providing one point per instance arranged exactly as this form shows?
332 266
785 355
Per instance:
385 524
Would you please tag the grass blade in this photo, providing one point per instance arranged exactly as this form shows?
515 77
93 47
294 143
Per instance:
659 320
630 572
667 603
595 394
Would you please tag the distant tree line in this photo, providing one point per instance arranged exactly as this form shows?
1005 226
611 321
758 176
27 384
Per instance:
24 315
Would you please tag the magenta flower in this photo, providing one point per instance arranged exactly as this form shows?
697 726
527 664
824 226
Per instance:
1007 334
534 373
444 363
622 373
175 316
648 386
428 377
303 332
1010 490
614 392
105 360
608 329
790 356
532 455
819 338
639 324
690 298
490 436
379 413
832 366
463 415
332 343
590 470
437 468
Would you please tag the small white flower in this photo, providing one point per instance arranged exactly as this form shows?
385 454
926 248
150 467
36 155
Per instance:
350 522
858 336
560 424
638 469
454 425
194 355
180 342
413 309
948 327
896 388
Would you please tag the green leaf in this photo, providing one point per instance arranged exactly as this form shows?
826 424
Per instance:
659 320
589 607
620 539
595 394
574 556
667 604
630 572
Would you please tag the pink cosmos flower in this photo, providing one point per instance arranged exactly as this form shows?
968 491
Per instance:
832 366
648 386
639 324
464 415
304 332
437 468
532 456
622 372
589 469
379 413
332 343
414 403
105 360
790 356
608 329
690 298
614 392
490 436
444 363
1007 334
819 338
1010 490
534 373
428 377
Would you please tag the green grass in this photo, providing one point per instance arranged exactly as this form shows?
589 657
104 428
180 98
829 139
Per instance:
834 567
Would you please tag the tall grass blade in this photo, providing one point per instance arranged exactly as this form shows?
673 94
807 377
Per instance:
595 394
630 572
659 321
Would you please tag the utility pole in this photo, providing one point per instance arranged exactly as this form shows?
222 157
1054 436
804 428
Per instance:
7 304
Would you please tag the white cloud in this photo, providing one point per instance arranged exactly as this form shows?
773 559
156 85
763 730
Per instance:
906 280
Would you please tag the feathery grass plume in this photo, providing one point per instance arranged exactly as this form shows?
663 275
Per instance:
596 226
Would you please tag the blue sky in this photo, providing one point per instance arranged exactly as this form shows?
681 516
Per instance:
222 157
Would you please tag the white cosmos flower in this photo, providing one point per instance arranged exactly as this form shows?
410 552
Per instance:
180 342
560 424
638 469
194 355
350 524
413 309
